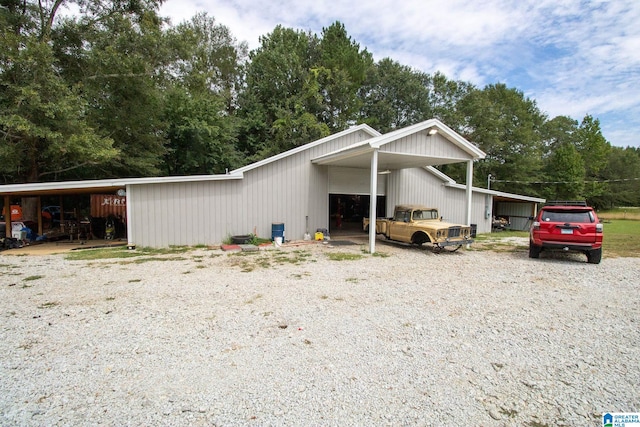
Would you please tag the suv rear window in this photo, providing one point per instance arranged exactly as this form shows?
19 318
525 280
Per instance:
564 215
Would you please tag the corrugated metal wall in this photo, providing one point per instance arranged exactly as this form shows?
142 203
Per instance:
419 186
518 214
354 181
103 205
426 145
207 212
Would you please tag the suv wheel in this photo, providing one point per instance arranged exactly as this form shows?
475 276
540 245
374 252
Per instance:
594 256
534 251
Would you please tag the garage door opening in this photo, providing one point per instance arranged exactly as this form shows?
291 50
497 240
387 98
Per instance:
347 210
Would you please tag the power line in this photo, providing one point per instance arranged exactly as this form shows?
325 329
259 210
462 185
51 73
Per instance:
565 182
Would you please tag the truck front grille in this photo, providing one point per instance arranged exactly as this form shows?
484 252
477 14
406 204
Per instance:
454 231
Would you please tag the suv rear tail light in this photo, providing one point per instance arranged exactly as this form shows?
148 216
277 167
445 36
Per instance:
599 227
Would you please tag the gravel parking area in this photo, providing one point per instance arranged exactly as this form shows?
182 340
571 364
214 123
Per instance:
305 335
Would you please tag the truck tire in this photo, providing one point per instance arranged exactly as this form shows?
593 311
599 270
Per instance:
594 256
419 238
534 251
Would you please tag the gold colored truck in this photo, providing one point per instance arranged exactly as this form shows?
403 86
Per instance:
417 224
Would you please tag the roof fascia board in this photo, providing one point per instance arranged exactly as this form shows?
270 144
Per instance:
497 193
444 177
345 153
103 183
363 127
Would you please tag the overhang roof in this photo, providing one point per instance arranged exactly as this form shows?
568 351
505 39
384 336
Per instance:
99 185
359 155
497 195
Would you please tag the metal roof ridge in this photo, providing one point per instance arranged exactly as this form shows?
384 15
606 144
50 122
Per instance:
116 182
364 127
443 176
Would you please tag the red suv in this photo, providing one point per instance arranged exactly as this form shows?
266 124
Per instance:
567 226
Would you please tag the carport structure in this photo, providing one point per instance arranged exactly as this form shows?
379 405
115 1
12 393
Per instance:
48 189
429 143
86 187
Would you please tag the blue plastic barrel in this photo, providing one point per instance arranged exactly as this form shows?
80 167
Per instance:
277 230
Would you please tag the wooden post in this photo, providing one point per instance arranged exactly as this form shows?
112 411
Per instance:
61 215
40 216
7 216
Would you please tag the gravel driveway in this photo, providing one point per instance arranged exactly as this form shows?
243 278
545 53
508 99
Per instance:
293 337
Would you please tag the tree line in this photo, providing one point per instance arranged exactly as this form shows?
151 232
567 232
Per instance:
116 91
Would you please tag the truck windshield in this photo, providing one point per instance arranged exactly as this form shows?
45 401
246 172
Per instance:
425 214
402 216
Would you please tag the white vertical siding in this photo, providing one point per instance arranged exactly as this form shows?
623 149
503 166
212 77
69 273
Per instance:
426 145
354 181
421 187
207 212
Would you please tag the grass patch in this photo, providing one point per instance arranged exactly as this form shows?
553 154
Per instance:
489 237
249 261
381 254
344 256
621 239
155 258
124 252
30 278
502 241
632 213
244 261
48 304
254 299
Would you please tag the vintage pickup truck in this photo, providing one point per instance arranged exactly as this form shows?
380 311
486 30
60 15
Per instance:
419 224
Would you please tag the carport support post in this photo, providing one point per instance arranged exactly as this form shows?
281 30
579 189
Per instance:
469 193
127 219
373 201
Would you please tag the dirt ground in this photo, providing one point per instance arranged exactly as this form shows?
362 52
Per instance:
50 248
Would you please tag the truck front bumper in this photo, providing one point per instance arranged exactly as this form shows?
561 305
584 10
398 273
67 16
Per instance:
445 243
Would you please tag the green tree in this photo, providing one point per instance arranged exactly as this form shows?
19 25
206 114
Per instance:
43 118
622 174
207 58
507 127
558 131
200 98
119 68
281 100
445 97
341 71
565 171
594 149
394 96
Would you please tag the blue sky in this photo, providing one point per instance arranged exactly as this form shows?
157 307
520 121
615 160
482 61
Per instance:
572 57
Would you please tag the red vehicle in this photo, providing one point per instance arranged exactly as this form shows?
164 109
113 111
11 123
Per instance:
567 226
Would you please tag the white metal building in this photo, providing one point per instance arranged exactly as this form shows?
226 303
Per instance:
296 188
